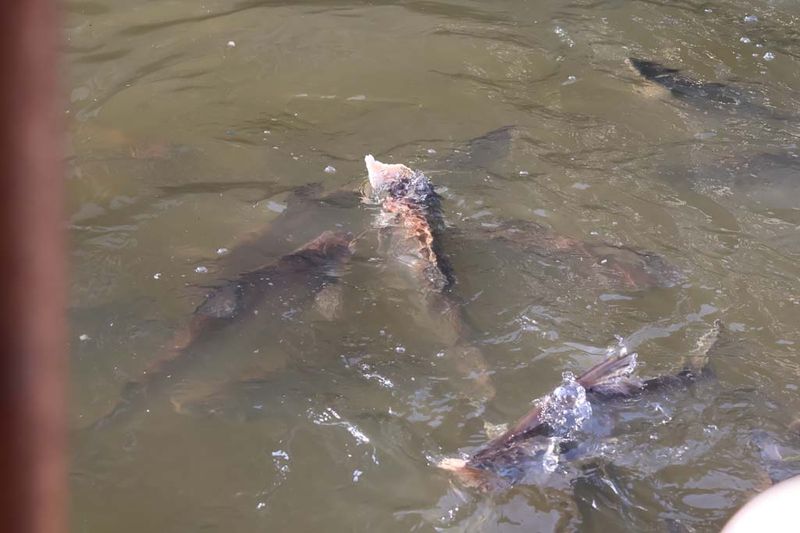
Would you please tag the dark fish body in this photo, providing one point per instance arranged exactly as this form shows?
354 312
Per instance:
504 461
290 281
683 86
701 93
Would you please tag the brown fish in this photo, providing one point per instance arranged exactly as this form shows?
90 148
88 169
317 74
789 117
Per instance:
293 279
504 460
412 222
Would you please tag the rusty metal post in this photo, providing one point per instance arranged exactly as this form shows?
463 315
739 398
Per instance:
32 272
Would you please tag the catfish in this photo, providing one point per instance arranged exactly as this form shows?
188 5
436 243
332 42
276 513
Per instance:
604 265
295 278
701 93
412 223
306 204
505 460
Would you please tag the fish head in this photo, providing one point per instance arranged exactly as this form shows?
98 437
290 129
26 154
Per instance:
382 175
649 69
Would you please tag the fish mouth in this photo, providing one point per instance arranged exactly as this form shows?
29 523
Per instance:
382 174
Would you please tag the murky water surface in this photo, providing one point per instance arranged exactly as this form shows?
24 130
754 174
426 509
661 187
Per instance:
192 125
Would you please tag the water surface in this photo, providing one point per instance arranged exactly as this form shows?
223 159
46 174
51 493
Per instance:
190 125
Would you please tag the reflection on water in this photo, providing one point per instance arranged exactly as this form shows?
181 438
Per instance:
580 200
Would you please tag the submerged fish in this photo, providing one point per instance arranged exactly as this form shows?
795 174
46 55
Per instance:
412 222
293 279
304 206
505 460
700 93
683 86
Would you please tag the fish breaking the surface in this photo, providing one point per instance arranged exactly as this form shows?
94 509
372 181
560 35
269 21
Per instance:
505 460
411 221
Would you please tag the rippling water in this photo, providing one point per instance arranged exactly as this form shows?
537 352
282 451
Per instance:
191 126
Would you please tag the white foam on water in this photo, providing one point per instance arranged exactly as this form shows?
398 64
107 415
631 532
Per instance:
368 373
566 408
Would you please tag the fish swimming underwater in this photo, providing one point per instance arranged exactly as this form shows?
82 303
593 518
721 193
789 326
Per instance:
505 460
293 279
683 86
601 265
411 222
701 93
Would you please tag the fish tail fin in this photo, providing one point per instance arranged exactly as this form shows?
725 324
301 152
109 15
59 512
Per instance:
612 375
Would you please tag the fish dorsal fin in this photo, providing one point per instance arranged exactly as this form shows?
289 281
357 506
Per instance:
382 174
611 370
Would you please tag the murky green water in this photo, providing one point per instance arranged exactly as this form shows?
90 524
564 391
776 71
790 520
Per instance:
183 144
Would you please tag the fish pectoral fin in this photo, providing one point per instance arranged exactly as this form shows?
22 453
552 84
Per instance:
607 373
409 260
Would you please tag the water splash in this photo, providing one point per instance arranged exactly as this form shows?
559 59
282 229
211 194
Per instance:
619 349
566 408
367 372
551 456
280 460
